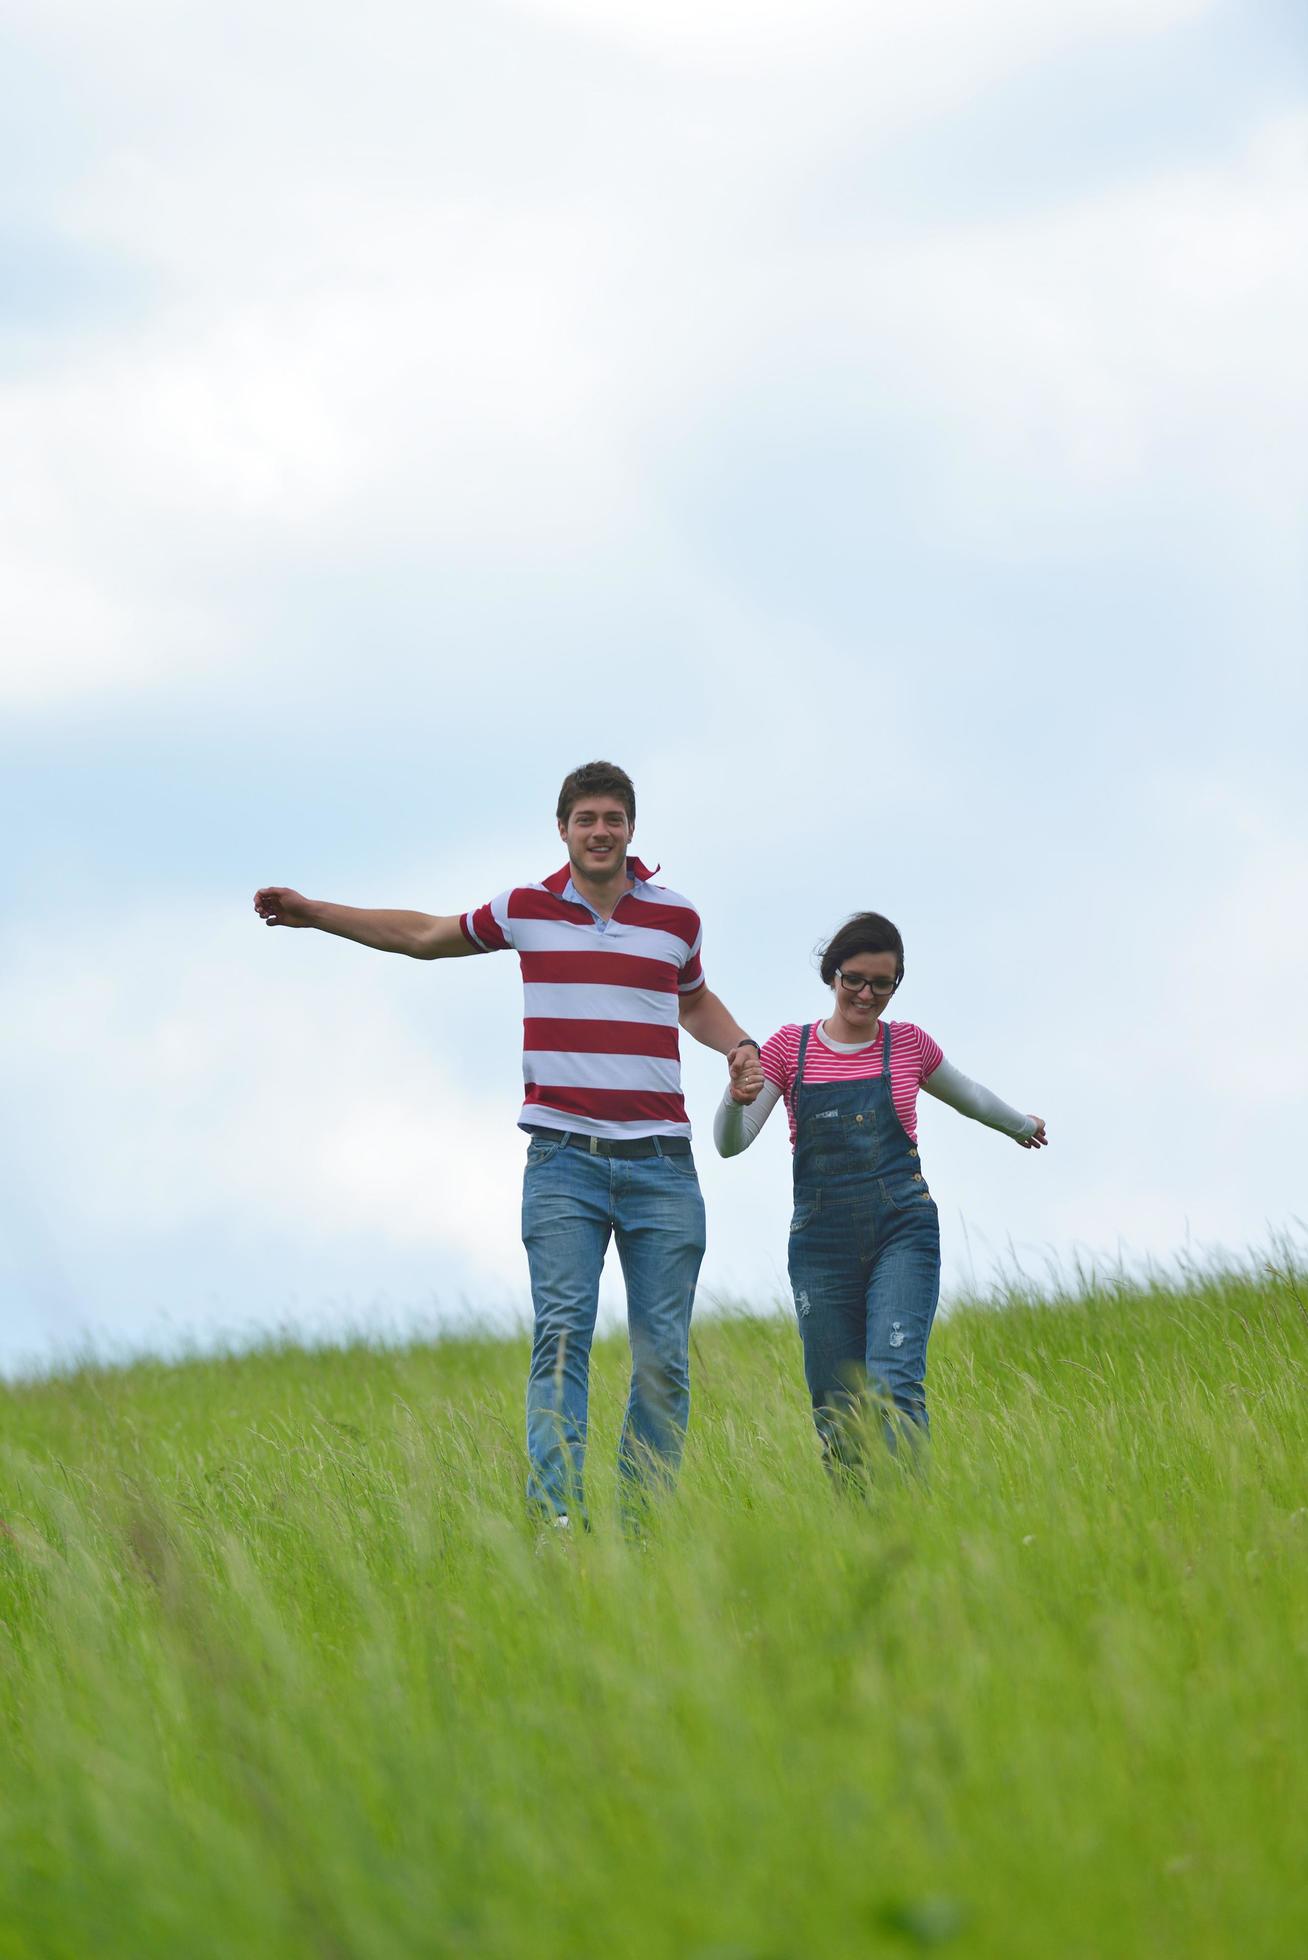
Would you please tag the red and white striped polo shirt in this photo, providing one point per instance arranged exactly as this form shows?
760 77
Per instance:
600 1049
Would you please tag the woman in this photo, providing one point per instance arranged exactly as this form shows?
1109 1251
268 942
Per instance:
865 1234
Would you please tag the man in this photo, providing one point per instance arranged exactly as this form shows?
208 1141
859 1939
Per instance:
610 969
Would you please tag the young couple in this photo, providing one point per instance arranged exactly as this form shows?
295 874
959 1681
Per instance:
611 971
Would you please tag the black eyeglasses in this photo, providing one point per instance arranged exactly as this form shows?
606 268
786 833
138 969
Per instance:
854 983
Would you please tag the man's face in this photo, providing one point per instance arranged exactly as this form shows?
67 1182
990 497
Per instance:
597 834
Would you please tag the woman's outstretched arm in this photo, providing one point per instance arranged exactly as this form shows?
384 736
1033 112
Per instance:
949 1085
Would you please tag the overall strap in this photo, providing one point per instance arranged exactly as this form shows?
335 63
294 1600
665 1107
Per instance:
804 1034
885 1051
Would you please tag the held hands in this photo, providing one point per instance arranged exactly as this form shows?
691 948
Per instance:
1039 1140
278 905
746 1072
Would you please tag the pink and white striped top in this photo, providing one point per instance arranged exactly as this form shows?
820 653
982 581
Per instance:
913 1056
601 999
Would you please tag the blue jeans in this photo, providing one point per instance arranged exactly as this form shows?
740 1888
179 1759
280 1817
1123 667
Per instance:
573 1202
865 1268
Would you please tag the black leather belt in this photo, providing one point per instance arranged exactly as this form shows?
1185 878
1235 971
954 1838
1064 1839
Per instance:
614 1146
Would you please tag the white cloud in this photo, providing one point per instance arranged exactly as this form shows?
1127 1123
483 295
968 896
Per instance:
61 634
534 299
907 57
1231 970
1154 329
173 1069
404 338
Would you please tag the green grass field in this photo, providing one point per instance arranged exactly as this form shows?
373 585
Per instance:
284 1670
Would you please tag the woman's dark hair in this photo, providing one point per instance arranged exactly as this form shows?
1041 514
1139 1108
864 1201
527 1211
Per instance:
597 779
866 932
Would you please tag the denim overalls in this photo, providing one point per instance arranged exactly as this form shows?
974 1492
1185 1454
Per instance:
864 1254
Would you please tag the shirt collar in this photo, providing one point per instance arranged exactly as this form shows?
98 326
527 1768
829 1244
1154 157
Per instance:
560 882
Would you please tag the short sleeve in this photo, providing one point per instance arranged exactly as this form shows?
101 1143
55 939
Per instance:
778 1056
690 978
929 1055
489 929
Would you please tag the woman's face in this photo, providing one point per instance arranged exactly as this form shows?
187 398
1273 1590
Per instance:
862 987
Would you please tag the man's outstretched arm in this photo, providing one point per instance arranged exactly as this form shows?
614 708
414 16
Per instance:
419 934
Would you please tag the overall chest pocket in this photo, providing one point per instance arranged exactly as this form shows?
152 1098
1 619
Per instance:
841 1141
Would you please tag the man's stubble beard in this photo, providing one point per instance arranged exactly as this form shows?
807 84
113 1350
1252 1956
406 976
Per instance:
611 872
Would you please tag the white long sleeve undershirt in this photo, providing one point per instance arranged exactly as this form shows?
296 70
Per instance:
735 1125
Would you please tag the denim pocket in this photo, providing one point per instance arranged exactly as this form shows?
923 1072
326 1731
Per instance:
802 1216
684 1166
905 1194
540 1152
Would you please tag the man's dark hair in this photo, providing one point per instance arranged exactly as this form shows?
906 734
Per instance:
597 779
866 932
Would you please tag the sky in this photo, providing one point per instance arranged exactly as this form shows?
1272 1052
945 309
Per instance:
883 431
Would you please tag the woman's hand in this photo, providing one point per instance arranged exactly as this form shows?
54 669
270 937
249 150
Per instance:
1039 1140
746 1073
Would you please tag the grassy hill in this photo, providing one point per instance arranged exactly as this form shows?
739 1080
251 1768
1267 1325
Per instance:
283 1670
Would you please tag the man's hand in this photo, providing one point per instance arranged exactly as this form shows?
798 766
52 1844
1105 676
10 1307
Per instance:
278 905
1039 1140
746 1072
